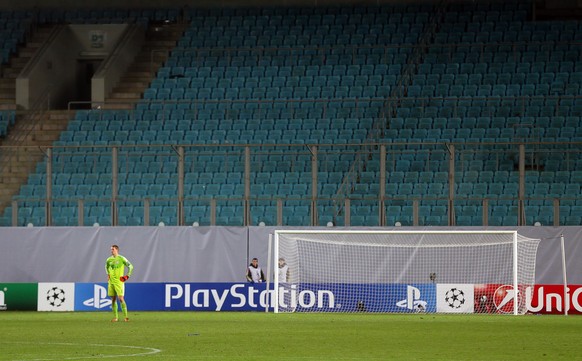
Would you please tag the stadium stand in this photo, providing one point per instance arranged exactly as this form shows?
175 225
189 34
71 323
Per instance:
248 94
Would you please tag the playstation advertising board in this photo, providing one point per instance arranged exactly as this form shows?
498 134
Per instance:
337 297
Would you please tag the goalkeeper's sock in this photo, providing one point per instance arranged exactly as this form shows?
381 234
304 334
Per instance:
115 311
124 309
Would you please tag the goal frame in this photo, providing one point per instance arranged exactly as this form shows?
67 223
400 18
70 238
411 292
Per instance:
275 301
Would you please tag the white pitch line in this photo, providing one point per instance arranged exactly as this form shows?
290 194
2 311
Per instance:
151 351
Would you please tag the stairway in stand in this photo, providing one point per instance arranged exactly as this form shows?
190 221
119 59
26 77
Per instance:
10 72
18 160
24 146
160 40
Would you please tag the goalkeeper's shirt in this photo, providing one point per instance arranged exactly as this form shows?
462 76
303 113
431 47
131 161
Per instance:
115 268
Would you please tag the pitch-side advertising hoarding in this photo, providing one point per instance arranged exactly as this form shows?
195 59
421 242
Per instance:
393 298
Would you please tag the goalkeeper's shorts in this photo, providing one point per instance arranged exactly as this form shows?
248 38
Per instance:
115 289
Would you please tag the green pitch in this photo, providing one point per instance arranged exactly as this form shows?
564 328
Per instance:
28 336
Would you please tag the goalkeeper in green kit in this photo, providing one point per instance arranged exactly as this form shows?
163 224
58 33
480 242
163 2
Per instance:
115 267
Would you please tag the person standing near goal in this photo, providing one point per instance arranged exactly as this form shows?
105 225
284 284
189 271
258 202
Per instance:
254 272
116 277
284 272
285 286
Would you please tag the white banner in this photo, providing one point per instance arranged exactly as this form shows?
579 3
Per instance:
56 296
197 254
455 298
159 254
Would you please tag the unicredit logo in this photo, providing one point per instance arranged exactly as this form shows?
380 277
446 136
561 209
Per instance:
504 298
99 299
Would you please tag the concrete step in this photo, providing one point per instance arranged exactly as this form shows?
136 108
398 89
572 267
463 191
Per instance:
21 160
118 106
8 189
121 103
20 62
144 77
156 58
27 52
144 74
7 106
17 168
7 84
123 84
134 84
11 73
160 43
46 137
126 95
46 128
15 137
13 180
143 68
61 114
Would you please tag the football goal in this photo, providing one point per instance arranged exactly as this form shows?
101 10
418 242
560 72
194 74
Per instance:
402 271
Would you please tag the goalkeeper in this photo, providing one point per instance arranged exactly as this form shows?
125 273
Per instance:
115 268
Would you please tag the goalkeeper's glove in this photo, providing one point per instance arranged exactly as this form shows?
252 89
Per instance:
123 278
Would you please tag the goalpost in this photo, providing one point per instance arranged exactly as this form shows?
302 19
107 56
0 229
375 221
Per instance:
402 271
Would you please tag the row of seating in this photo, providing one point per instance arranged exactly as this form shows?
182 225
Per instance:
285 92
104 16
469 185
269 175
211 75
511 77
362 215
321 81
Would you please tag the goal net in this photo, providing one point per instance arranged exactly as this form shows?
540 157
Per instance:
402 271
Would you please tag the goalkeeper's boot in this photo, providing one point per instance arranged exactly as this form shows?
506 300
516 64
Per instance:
126 319
114 320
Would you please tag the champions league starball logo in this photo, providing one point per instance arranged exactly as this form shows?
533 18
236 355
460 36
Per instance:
455 298
55 296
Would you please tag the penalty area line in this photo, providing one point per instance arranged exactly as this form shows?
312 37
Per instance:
150 351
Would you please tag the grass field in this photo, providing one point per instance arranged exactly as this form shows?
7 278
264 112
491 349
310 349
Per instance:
254 336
